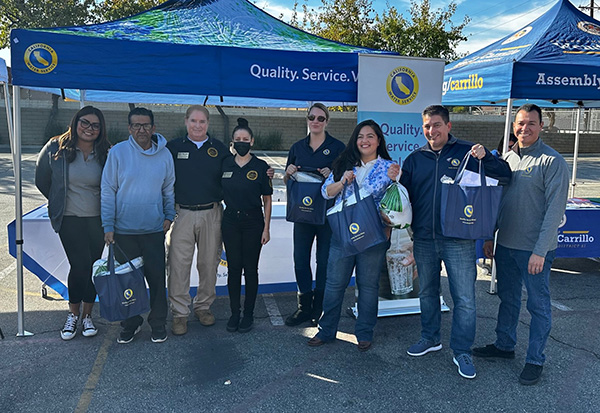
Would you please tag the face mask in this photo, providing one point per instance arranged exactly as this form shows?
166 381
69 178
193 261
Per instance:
242 148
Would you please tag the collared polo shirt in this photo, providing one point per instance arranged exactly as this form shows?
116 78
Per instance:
198 170
301 154
243 186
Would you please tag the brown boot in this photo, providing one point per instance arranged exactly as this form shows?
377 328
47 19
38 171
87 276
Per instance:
179 326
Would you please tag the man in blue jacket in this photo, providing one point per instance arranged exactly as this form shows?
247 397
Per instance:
137 208
422 173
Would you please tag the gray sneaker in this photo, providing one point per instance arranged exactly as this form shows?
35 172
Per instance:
466 368
423 347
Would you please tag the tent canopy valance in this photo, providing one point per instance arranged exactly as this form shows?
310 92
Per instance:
190 47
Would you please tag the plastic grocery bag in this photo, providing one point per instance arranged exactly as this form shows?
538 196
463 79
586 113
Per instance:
395 206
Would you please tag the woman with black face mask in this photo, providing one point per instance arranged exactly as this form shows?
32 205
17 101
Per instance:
246 189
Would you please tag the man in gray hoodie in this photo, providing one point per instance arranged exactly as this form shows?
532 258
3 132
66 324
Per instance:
530 213
137 208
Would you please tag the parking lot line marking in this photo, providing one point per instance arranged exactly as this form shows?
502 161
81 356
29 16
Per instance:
560 306
314 376
272 310
94 376
8 270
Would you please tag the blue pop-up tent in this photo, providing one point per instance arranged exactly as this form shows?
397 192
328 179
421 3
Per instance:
180 52
554 58
223 48
553 61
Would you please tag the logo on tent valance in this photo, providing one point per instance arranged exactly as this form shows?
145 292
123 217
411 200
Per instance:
40 58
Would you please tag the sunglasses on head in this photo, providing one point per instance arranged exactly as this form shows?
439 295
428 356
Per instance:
319 118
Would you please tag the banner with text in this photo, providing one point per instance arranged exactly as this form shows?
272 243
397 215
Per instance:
393 91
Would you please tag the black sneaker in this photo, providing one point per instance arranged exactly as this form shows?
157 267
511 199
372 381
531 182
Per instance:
233 323
531 374
127 335
492 351
246 324
159 334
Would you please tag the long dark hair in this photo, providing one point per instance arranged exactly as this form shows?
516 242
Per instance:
67 142
350 157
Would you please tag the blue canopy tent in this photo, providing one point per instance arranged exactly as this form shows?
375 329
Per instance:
553 61
223 48
182 51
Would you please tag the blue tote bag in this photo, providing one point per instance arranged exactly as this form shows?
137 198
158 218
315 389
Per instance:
305 204
469 212
357 227
122 293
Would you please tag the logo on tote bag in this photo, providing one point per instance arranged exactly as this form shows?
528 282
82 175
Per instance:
354 228
128 293
469 211
307 201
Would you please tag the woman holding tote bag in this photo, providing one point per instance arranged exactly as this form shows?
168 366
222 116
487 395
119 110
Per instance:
366 161
315 153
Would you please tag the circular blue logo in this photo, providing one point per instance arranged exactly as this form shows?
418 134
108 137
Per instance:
354 228
469 211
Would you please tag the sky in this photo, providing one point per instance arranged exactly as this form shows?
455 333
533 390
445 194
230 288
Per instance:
491 20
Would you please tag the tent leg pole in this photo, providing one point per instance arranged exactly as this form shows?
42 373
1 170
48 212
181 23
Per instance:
18 211
507 124
575 153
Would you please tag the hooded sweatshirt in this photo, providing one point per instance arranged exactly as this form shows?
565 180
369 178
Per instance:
137 188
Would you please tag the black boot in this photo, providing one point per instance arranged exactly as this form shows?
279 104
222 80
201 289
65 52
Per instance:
246 323
234 321
303 313
317 306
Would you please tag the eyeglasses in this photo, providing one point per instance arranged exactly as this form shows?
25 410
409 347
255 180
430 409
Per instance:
86 125
138 126
319 118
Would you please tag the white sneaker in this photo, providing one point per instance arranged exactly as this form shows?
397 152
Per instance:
70 328
88 328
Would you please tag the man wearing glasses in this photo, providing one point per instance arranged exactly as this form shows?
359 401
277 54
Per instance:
137 208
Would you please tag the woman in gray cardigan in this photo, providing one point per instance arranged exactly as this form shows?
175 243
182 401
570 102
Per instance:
68 173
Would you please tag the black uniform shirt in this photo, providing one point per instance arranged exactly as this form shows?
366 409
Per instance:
243 187
198 171
302 155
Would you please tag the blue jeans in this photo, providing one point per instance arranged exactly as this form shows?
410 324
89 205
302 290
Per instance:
511 274
459 258
339 271
304 236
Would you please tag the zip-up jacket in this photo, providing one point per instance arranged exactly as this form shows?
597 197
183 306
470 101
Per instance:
535 201
51 177
422 172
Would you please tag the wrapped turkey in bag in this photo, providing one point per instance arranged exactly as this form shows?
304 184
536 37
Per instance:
395 206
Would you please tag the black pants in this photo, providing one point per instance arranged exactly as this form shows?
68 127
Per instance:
151 247
304 236
83 241
242 233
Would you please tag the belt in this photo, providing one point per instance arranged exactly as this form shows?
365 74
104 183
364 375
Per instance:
198 207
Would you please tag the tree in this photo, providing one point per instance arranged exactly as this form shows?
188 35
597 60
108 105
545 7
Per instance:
109 10
346 21
41 13
427 34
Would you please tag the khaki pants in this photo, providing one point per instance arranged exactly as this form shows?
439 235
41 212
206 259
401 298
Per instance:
191 229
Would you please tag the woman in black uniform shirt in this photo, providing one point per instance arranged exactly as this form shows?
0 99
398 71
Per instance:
317 151
245 229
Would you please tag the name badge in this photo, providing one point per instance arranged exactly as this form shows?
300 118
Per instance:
227 174
183 155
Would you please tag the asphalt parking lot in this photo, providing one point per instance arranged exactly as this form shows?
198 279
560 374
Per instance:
271 369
